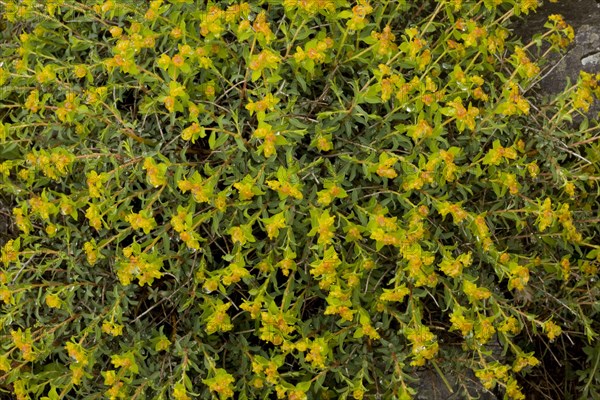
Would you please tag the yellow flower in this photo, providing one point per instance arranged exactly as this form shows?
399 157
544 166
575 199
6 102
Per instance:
110 377
570 189
155 173
261 26
510 325
254 307
424 344
219 320
286 189
245 189
345 312
163 61
583 98
385 41
588 268
42 207
258 383
112 328
4 364
460 322
116 391
479 94
94 182
523 362
298 394
169 102
193 132
565 265
324 226
474 292
528 5
519 276
317 353
51 230
46 75
324 144
421 130
53 300
267 103
453 267
385 168
270 139
464 116
211 285
311 6
80 70
510 181
142 220
552 330
77 352
10 252
236 11
209 91
512 389
221 383
394 295
287 264
179 392
91 251
545 215
32 102
24 342
176 33
458 214
486 376
190 239
211 23
485 329
274 224
162 343
125 361
359 13
265 59
237 235
6 295
21 220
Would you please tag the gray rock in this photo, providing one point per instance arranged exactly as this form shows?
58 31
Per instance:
582 55
464 384
592 60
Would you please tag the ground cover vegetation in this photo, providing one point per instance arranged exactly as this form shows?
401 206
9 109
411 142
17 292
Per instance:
298 199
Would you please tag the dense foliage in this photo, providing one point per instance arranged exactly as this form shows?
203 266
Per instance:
292 199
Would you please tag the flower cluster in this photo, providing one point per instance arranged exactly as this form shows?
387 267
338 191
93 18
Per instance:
138 264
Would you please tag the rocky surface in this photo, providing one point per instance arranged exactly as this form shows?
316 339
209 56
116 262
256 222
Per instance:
464 385
583 54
